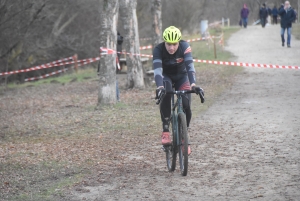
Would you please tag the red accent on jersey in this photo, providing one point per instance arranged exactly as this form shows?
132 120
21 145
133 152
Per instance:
179 60
188 50
185 86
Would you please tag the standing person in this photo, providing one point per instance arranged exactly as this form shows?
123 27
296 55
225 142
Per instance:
263 14
269 19
119 44
119 49
173 66
275 14
287 15
244 15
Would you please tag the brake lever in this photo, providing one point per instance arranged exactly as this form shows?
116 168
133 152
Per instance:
202 97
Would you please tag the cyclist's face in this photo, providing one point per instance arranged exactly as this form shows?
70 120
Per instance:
171 47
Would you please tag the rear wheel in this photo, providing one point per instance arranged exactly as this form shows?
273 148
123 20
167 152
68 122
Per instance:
183 147
171 150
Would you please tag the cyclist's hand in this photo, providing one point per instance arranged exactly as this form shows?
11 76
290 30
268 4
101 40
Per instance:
199 91
160 92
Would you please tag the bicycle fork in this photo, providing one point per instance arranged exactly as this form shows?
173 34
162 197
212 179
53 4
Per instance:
179 110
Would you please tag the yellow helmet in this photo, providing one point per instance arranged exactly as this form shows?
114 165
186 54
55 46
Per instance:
172 35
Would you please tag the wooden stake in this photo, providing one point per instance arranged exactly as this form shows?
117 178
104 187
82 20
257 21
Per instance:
215 48
75 59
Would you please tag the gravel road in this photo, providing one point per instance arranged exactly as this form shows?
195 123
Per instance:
245 147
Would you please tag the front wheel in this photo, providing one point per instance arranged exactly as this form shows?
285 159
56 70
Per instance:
183 147
171 150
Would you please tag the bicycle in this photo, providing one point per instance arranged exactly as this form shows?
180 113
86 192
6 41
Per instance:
179 132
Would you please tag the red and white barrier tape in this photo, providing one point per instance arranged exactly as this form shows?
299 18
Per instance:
46 75
189 40
221 40
60 60
227 63
141 55
87 61
44 66
110 51
197 39
145 38
146 47
246 64
80 63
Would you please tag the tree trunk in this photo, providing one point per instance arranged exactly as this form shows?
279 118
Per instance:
298 11
156 22
135 74
108 39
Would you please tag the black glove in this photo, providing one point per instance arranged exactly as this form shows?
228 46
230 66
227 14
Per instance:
198 90
160 92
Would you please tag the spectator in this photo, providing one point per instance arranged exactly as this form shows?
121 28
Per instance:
119 44
269 11
119 49
244 15
269 18
275 14
287 15
263 14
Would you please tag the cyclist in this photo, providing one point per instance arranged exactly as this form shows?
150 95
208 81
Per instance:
173 66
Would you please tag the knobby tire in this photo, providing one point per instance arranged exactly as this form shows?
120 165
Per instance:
183 147
171 150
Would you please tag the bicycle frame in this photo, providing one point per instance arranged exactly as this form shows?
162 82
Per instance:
174 114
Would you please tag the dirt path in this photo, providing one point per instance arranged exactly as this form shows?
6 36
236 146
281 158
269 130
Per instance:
246 146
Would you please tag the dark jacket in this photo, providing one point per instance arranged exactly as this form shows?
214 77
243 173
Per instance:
263 13
119 42
275 12
179 63
269 11
119 39
287 17
244 13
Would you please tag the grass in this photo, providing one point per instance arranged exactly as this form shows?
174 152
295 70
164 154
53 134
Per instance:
79 76
56 140
296 30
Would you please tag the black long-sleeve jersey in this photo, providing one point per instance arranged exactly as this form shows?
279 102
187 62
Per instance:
181 62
